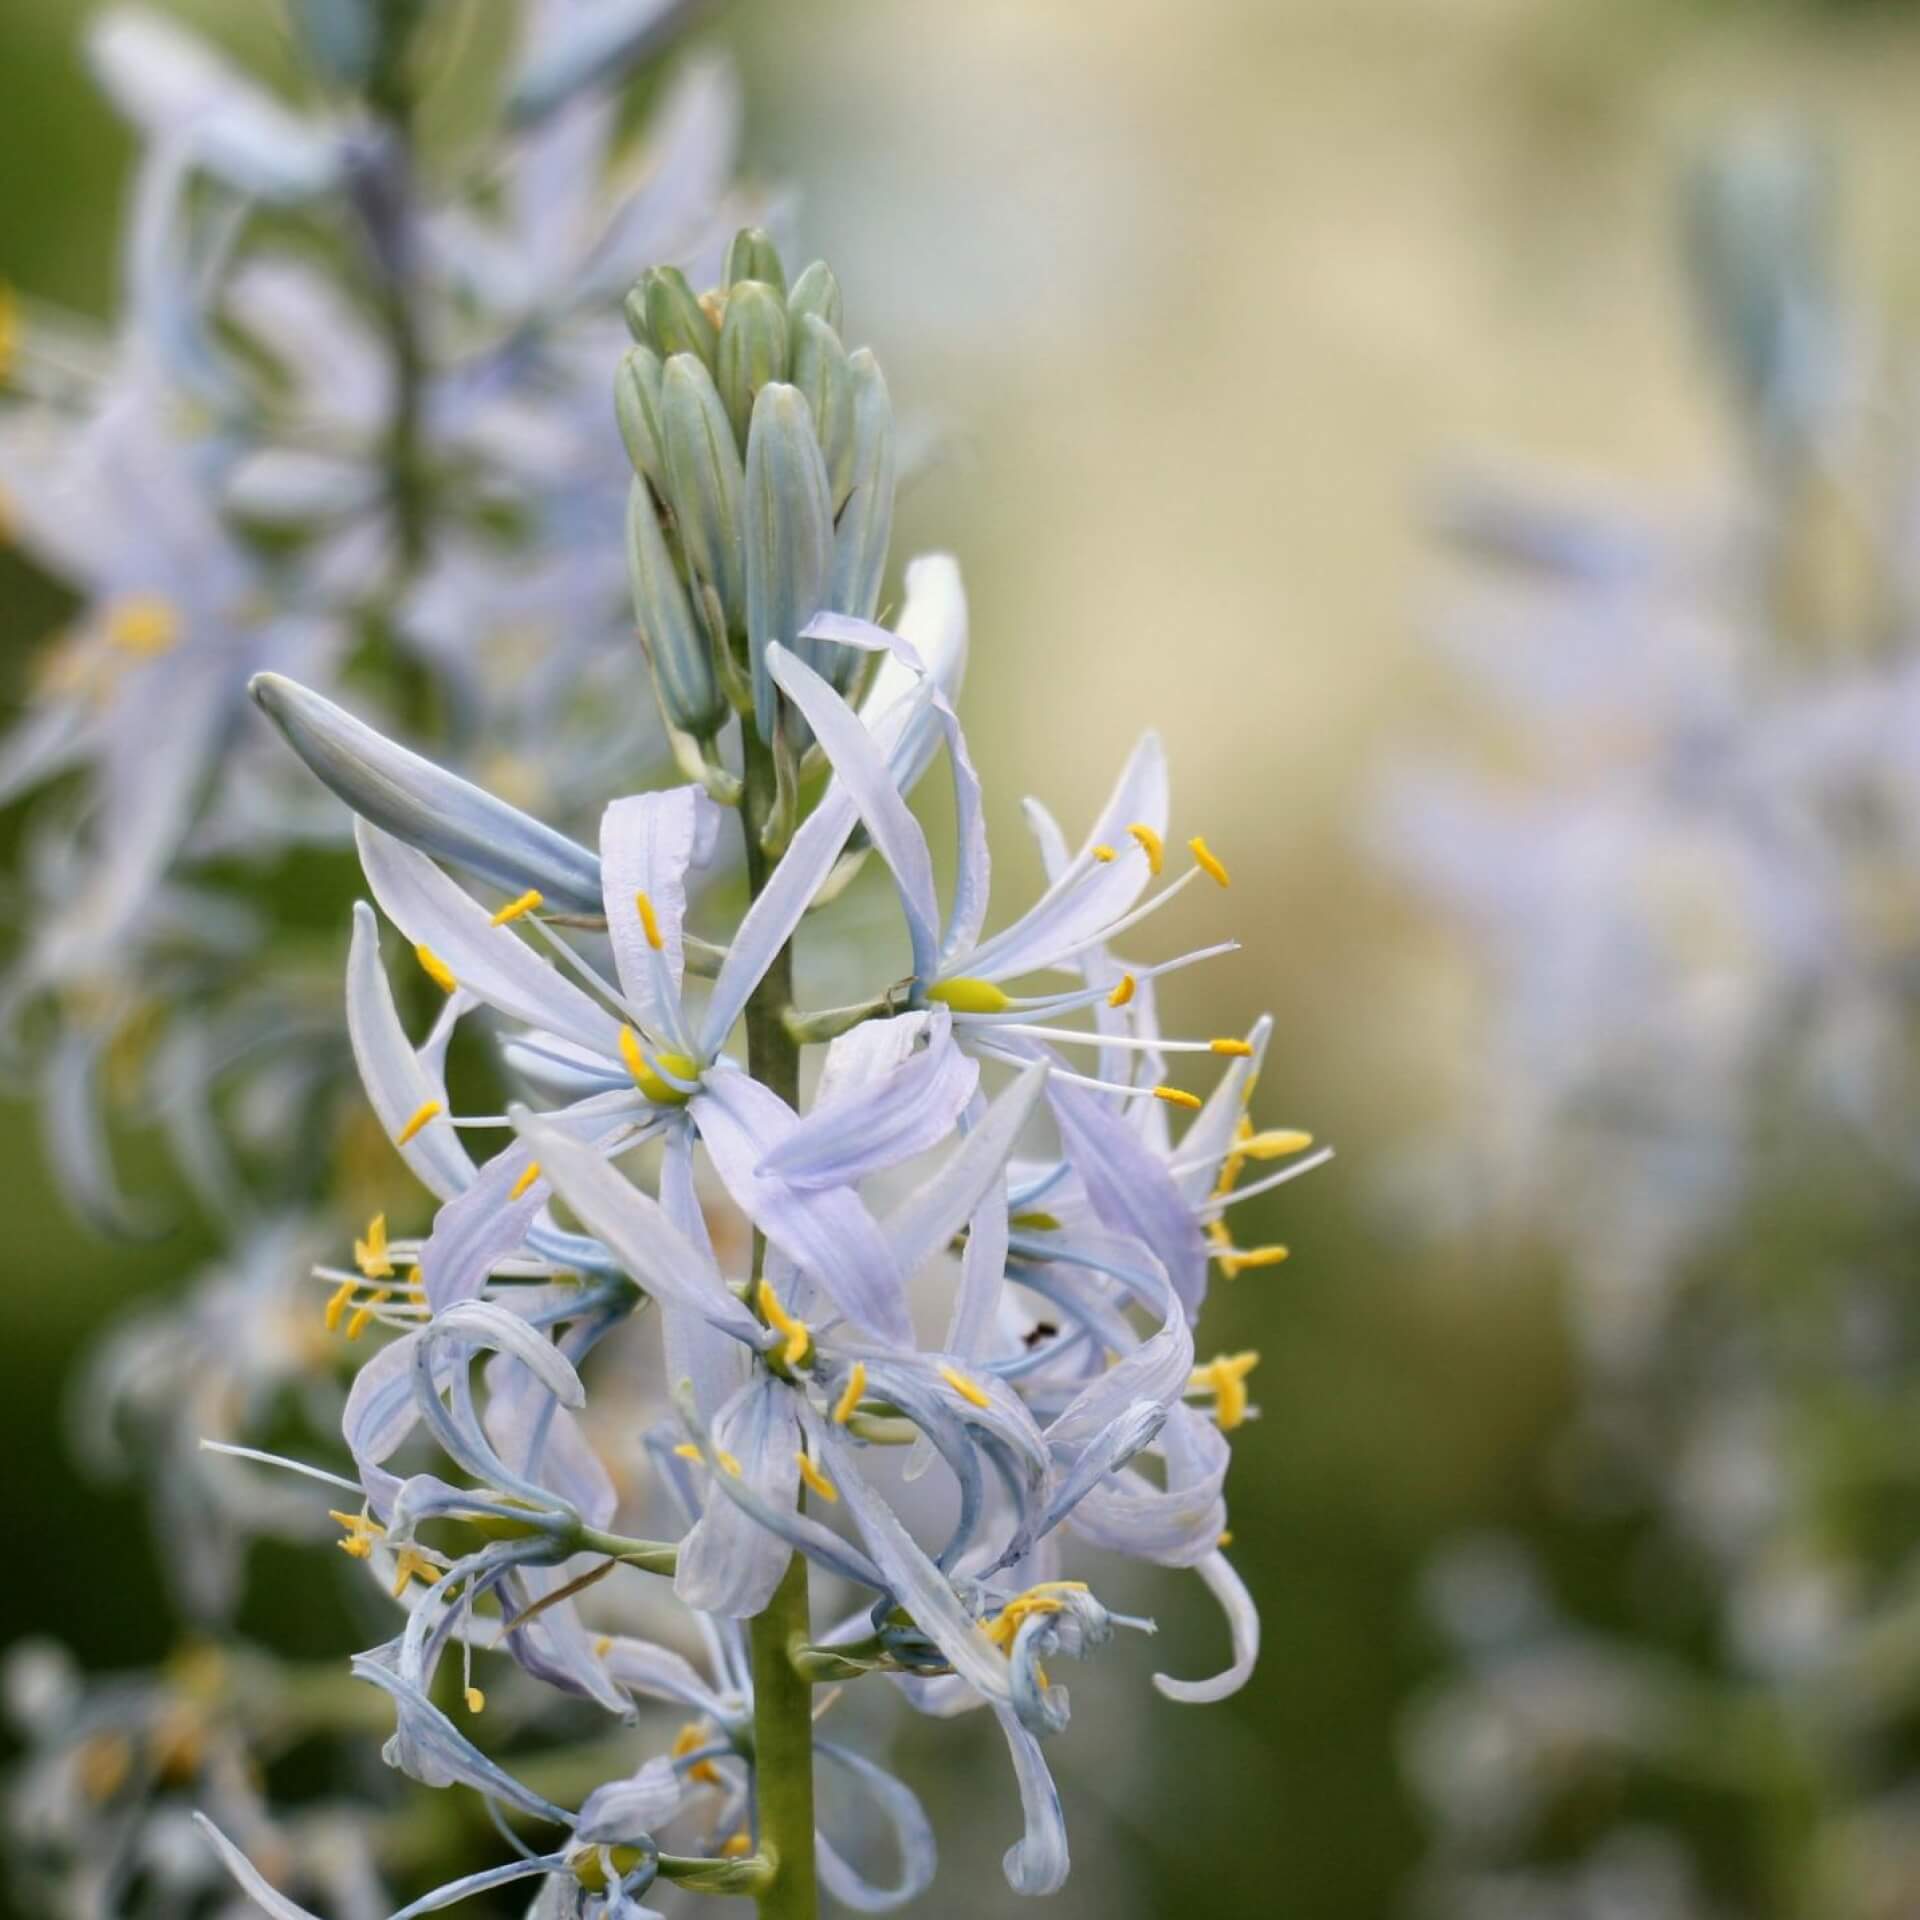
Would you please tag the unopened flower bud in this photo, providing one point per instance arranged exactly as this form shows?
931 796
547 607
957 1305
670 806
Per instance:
672 320
704 481
789 534
866 524
753 256
636 404
821 372
753 349
675 640
816 292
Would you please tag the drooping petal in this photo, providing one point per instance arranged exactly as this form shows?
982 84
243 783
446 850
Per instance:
827 1232
1037 1863
728 1564
490 961
890 1089
710 1361
900 1807
1244 1620
1176 1525
424 805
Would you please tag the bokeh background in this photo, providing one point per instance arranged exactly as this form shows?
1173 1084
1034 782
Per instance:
1195 300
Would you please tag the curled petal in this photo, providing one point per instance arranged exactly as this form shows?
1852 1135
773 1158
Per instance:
900 1807
1243 1618
1037 1863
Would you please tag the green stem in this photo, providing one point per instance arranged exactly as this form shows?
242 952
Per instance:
782 1697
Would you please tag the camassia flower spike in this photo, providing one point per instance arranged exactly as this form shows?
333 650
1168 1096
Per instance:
980 1237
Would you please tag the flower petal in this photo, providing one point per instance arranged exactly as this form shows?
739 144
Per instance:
729 1564
890 1089
900 1807
426 806
648 842
1244 1620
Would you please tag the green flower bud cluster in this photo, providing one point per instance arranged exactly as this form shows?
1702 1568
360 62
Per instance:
764 478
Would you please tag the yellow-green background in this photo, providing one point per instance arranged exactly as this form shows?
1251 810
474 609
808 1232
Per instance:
1200 295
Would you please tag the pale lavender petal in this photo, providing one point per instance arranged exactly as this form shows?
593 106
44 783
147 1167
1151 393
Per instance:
827 1233
492 962
1037 1863
729 1564
1244 1620
899 1806
648 842
890 1089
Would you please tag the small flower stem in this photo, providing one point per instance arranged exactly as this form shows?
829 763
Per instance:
782 1697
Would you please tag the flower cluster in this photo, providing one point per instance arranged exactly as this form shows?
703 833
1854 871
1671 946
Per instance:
1693 908
1063 1355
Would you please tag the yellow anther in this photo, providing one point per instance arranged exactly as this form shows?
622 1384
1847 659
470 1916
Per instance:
967 1389
799 1334
435 968
1034 1223
1226 1539
603 1646
360 1534
1103 853
337 1303
476 1700
370 1254
851 1394
969 995
1209 861
426 1111
1226 1379
1154 847
144 624
690 1739
649 925
651 1080
526 1180
738 1846
1122 993
365 1312
1043 1599
10 331
817 1480
688 1451
1234 1049
1274 1144
408 1566
1177 1097
1236 1261
519 909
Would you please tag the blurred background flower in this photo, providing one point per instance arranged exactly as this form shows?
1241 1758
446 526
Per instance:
1187 312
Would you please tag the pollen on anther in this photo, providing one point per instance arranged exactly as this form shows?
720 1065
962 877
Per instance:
476 1700
518 909
435 968
1209 861
426 1111
526 1180
1234 1049
1123 992
1103 854
649 923
1154 847
814 1478
364 1313
337 1303
968 1390
1177 1097
851 1395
